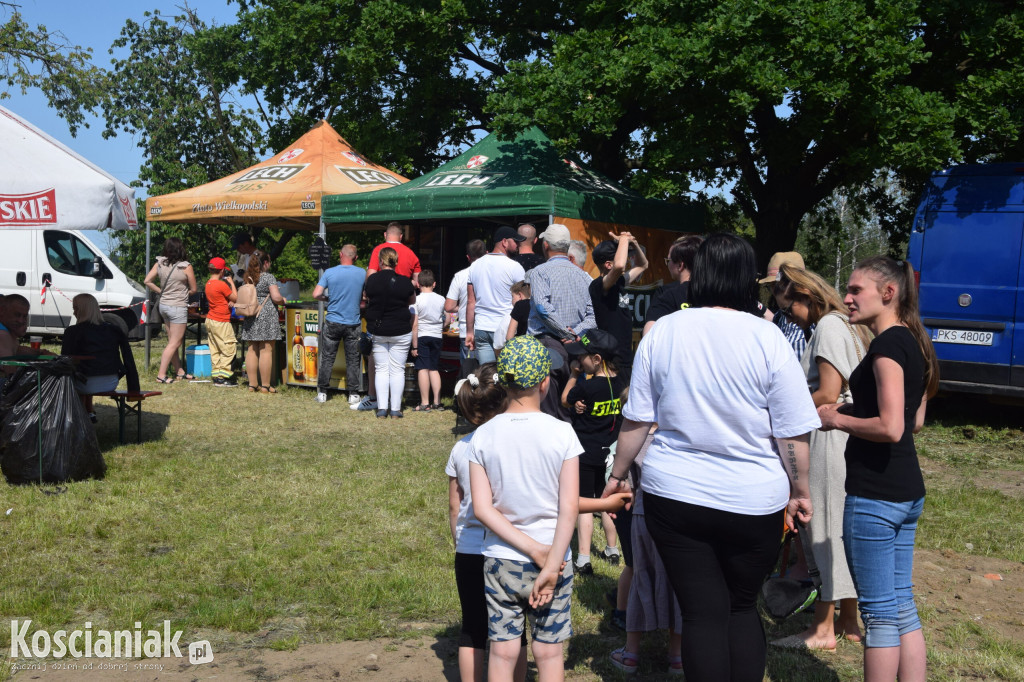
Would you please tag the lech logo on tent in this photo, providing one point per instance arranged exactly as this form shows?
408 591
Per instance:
476 161
278 173
368 176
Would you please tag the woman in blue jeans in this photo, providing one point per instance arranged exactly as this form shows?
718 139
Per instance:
884 485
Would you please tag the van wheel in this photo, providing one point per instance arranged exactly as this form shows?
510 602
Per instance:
117 321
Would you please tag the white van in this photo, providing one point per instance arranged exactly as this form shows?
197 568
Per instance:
70 264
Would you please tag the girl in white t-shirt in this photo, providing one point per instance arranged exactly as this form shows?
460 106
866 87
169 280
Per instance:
480 398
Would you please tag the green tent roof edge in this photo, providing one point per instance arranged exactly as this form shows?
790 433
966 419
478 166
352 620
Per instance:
476 185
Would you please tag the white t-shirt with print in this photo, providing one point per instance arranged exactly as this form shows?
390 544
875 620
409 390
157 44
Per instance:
720 384
522 454
458 292
469 532
430 314
492 277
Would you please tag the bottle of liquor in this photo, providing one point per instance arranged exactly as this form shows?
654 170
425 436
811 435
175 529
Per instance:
298 352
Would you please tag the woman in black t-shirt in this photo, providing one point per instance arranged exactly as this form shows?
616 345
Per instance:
391 318
884 486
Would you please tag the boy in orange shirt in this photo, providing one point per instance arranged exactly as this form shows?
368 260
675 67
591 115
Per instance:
220 294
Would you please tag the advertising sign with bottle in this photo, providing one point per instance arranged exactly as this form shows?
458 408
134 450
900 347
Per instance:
304 347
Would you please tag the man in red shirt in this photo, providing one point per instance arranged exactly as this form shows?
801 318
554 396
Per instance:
220 294
408 263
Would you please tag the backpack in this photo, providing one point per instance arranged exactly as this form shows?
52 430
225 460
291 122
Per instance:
247 303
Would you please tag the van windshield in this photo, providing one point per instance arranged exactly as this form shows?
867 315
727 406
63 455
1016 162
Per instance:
68 254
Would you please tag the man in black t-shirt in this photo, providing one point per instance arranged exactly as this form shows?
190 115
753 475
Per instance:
526 256
675 295
612 308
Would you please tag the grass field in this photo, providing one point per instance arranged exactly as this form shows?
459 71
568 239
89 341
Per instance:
270 520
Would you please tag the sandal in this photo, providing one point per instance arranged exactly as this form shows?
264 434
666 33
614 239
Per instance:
421 408
252 389
184 377
268 389
438 407
624 660
165 380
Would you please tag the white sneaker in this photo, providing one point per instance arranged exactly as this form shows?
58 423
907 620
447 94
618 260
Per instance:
365 405
353 399
321 397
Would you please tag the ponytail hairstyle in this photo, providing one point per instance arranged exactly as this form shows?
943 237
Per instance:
885 270
255 268
821 297
480 396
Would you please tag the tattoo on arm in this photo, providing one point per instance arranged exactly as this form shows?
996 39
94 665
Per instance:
791 456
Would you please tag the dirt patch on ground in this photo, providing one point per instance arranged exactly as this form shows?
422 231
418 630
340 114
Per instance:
1010 482
952 589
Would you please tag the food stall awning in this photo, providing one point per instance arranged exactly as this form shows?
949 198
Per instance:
44 184
521 176
285 191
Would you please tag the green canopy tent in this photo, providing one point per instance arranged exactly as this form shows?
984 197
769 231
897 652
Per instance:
505 181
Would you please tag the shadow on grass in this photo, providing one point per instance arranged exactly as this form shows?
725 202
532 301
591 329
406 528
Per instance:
446 648
960 409
798 666
154 424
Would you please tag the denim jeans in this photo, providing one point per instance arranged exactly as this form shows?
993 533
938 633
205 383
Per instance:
330 337
484 344
879 541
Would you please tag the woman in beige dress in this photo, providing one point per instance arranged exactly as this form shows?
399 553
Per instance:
834 350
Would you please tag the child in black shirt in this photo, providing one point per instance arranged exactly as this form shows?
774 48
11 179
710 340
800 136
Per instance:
595 405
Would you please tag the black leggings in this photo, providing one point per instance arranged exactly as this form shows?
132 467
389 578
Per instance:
716 562
469 581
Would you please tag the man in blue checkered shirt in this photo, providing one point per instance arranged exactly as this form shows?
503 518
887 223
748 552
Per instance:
560 296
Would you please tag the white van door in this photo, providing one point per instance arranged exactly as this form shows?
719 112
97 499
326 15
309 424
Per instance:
68 264
17 269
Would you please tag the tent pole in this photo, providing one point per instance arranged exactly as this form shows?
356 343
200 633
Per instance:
149 312
320 302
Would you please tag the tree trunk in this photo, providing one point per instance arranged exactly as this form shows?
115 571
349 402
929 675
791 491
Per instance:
776 231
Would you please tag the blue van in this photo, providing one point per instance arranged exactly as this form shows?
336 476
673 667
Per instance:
966 248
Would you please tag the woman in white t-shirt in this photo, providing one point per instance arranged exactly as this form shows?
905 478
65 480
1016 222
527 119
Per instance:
729 396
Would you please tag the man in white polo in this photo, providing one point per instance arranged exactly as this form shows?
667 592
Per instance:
490 292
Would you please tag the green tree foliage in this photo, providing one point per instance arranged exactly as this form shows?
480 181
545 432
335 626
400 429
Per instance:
404 81
39 58
780 103
172 92
785 101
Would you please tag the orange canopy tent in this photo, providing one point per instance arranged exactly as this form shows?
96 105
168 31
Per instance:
284 191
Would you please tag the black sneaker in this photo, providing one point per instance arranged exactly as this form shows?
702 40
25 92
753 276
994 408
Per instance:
611 557
585 569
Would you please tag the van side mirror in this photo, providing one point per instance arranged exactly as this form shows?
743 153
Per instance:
97 267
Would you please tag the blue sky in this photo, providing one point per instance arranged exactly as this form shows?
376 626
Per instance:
96 24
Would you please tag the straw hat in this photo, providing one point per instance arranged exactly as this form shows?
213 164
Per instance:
778 260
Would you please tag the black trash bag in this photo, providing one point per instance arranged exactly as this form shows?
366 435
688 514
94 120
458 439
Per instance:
69 451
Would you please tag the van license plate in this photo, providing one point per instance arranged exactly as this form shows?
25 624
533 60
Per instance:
963 336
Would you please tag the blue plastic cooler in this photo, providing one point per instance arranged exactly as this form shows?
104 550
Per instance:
197 360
